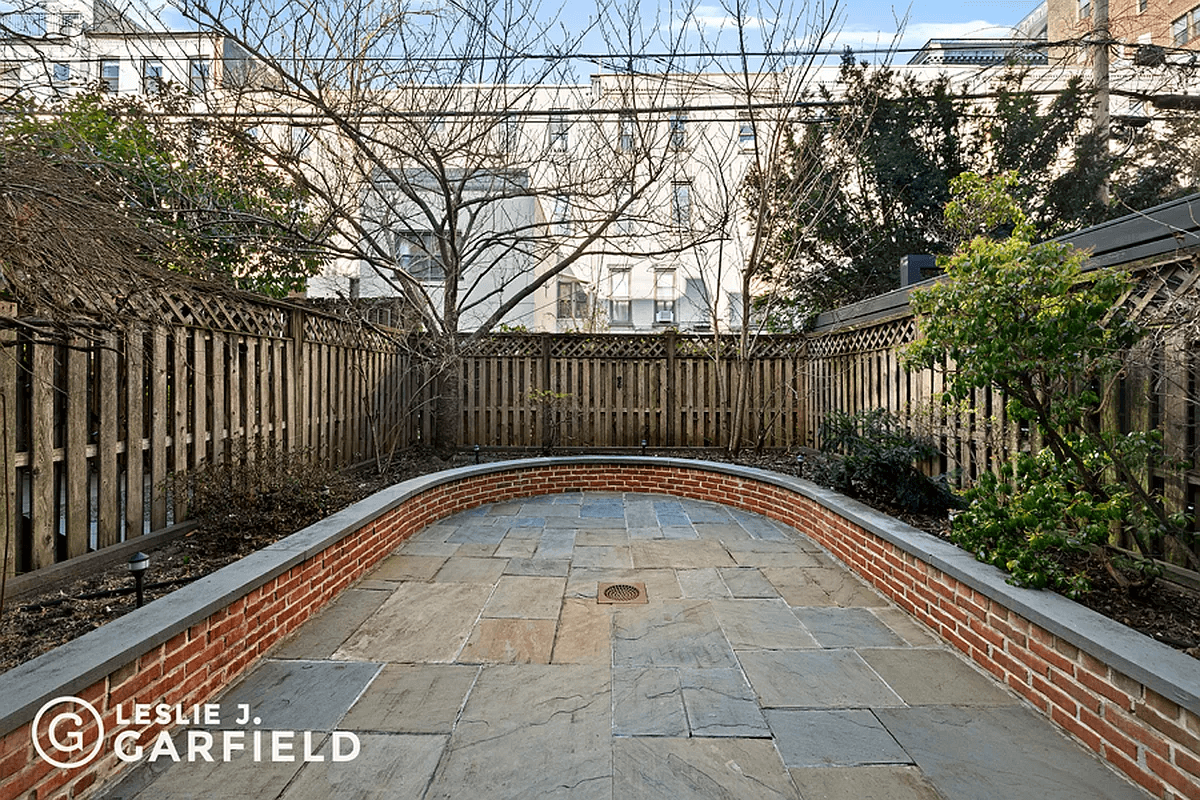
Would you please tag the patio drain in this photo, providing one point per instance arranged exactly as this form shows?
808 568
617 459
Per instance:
621 593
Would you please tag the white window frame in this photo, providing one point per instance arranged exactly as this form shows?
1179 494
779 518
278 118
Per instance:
572 300
560 215
70 23
665 296
510 132
677 131
681 204
619 305
746 132
419 255
198 75
626 132
558 130
110 74
154 74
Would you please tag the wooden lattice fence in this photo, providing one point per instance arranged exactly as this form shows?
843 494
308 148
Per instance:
95 421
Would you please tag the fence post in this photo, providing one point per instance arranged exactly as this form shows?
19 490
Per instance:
669 399
547 406
9 538
298 388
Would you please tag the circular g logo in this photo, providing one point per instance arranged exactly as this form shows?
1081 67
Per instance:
65 733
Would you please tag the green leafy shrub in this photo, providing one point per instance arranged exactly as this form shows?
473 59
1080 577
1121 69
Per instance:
1020 519
1026 319
876 458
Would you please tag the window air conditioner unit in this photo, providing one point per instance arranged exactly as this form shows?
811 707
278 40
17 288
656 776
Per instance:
665 316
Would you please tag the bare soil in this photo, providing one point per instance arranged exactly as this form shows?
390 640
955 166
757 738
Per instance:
37 623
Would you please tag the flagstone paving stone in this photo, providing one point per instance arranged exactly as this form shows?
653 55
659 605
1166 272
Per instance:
328 630
584 633
387 766
747 582
847 627
699 769
935 677
412 698
532 731
648 701
408 568
509 641
887 782
834 738
702 582
761 625
676 634
680 554
526 597
329 688
719 702
815 679
420 622
475 661
544 567
469 569
983 753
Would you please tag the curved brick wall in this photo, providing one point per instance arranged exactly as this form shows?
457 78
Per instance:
1133 701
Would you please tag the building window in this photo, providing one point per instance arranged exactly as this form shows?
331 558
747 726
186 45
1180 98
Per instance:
735 311
198 75
618 297
624 221
62 72
561 215
558 130
1142 5
1085 9
510 129
152 75
572 300
746 133
664 296
70 23
1179 30
625 132
35 23
110 74
681 204
419 255
677 130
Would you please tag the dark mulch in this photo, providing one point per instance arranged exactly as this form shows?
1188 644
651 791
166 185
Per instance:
37 623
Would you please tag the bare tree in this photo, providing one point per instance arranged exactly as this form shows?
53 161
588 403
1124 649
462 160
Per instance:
455 158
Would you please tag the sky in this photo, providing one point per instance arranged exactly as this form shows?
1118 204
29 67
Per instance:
865 24
871 22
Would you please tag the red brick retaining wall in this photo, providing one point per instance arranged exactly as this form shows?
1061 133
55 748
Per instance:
1152 739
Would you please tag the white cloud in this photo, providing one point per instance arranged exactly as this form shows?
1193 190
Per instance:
715 18
916 35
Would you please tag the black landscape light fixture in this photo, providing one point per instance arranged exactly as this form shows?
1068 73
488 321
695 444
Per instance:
643 447
476 454
139 562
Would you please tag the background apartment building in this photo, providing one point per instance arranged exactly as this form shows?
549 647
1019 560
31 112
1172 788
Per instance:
54 49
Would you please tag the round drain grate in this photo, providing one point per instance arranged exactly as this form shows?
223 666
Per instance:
622 592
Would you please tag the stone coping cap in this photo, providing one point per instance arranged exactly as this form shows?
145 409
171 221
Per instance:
74 666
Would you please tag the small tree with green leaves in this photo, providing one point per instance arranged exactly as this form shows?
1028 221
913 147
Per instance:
1025 319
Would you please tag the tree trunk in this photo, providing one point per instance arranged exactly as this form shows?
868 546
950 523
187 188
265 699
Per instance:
447 405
